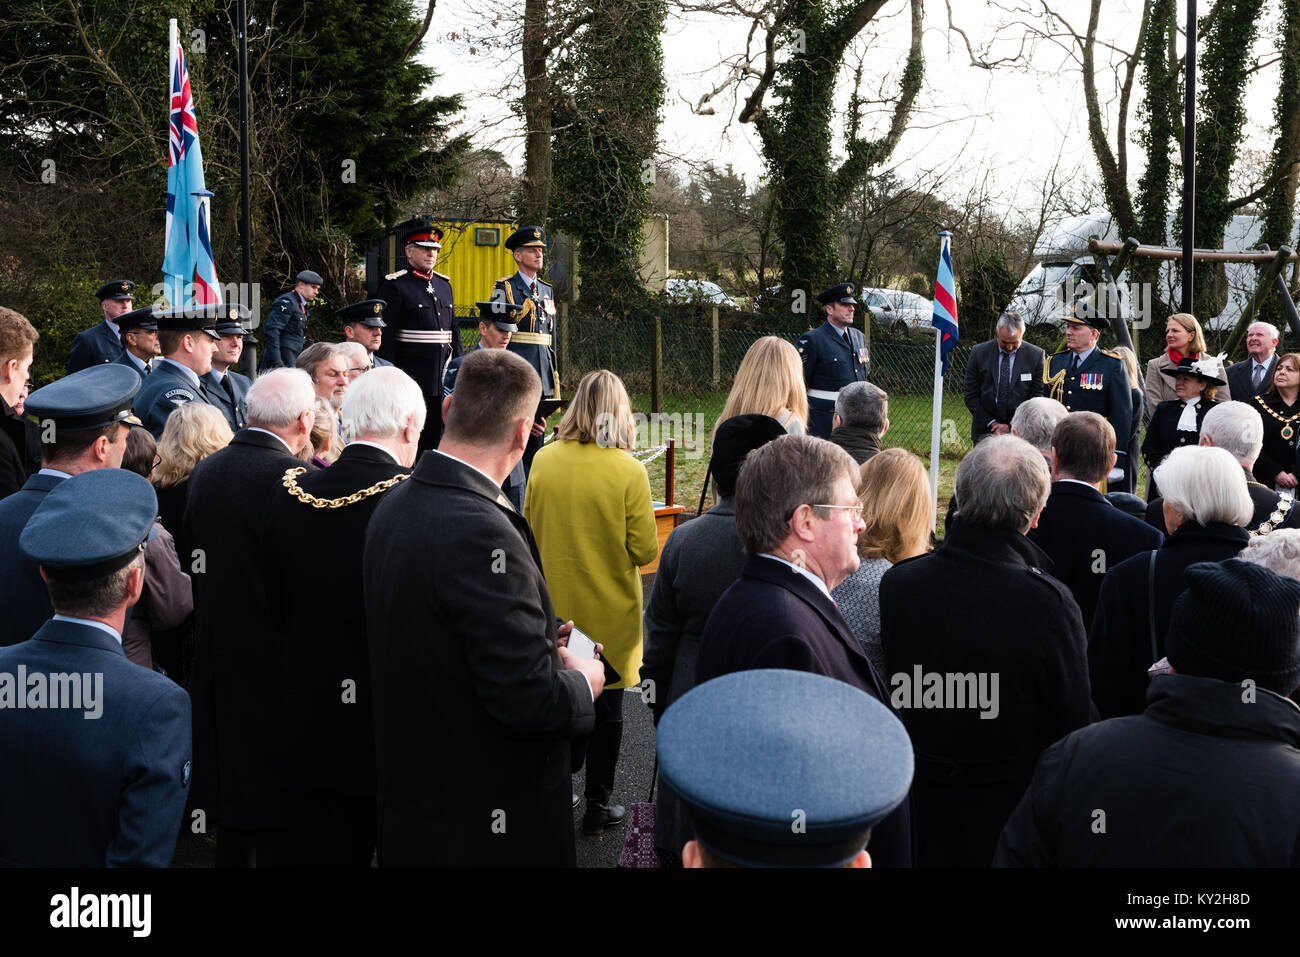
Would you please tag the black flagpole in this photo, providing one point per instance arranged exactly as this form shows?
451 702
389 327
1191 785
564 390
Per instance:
1189 157
249 360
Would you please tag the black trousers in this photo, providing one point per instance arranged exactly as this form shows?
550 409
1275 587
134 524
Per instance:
534 443
331 829
603 746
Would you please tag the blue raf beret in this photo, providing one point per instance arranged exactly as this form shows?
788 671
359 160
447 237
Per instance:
841 293
89 399
368 312
311 278
784 768
526 236
91 525
116 289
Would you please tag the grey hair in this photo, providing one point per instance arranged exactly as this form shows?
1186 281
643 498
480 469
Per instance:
1278 551
316 353
380 404
354 351
1003 483
1272 329
1035 421
777 478
863 405
1237 428
95 598
1011 320
279 397
1205 484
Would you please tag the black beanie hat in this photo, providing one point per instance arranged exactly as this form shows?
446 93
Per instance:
736 438
1237 620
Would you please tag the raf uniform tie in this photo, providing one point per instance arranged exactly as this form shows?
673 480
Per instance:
1074 364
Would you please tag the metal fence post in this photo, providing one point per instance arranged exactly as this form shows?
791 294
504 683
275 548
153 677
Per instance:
717 376
657 366
564 338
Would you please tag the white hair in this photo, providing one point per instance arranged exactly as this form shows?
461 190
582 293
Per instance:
1205 484
1277 551
380 404
279 397
1272 329
1036 419
355 352
1011 321
1237 428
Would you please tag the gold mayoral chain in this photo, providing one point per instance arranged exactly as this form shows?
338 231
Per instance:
308 499
1287 431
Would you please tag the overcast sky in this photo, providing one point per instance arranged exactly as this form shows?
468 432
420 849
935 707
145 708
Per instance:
1004 128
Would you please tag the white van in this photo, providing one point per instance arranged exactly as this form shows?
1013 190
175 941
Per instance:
1065 271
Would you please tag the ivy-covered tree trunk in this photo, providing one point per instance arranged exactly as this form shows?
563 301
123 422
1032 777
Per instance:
535 194
609 91
1279 206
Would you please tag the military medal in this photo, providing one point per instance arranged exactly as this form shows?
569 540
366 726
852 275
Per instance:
428 287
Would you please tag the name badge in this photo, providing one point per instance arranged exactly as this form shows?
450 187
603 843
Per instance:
549 305
1026 377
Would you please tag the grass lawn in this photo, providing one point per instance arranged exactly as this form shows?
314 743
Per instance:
690 420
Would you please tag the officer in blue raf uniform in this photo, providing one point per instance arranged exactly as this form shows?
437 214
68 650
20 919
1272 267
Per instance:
109 791
286 324
139 339
421 314
496 325
224 386
103 342
363 322
834 354
188 337
82 421
755 801
1087 378
535 340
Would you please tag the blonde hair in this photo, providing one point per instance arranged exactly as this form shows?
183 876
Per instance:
599 412
769 381
1189 324
193 432
1131 364
894 488
324 429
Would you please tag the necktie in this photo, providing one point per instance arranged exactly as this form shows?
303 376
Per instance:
1074 364
230 390
1004 381
1259 375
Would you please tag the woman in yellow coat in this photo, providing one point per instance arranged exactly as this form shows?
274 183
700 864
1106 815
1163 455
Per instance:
588 502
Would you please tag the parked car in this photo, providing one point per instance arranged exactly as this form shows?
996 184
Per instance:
698 291
899 311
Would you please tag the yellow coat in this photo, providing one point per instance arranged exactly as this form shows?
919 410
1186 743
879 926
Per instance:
591 513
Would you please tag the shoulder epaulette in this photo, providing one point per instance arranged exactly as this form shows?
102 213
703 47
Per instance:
1113 355
1061 353
394 275
504 282
441 276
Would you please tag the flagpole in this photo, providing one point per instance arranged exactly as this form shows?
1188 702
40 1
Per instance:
248 361
175 293
935 413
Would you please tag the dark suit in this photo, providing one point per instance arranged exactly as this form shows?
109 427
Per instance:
163 391
1241 385
104 792
981 388
421 337
238 685
830 362
774 617
981 604
14 458
1084 535
231 406
474 716
1119 642
328 729
284 333
1100 385
27 603
128 360
516 482
93 346
1163 435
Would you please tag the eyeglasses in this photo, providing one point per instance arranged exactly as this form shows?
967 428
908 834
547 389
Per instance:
855 509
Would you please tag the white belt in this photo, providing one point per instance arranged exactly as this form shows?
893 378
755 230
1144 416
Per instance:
428 336
823 394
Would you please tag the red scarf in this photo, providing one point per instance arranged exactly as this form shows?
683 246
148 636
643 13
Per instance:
1177 357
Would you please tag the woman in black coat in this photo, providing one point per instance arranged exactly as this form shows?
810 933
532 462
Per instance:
1280 408
1206 508
1177 422
1130 443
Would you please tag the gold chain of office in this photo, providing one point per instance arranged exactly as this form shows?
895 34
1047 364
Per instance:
1287 430
308 499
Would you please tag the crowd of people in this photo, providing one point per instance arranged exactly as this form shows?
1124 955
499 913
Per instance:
334 634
